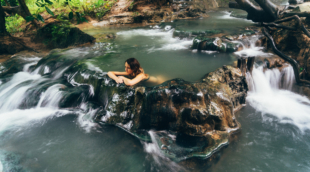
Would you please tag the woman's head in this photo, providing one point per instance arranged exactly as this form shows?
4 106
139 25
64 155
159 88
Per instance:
132 67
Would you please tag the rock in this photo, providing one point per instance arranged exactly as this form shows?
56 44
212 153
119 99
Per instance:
212 44
233 47
229 37
175 7
176 110
181 34
274 62
59 35
203 109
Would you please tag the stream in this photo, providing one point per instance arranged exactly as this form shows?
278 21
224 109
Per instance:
40 132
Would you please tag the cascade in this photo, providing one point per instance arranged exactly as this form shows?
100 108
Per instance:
270 93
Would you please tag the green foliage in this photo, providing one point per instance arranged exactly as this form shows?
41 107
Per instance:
99 8
2 3
60 32
13 23
74 10
40 4
131 5
134 14
13 2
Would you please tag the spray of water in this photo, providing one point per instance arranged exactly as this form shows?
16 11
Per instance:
165 36
159 158
250 49
269 95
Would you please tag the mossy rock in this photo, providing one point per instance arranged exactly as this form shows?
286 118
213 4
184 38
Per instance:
232 47
59 35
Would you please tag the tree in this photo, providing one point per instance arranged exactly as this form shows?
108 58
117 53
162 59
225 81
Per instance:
25 12
3 31
265 12
270 16
21 10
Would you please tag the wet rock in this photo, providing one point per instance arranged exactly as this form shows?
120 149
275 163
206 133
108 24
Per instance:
229 37
274 62
204 109
175 7
182 34
233 47
212 44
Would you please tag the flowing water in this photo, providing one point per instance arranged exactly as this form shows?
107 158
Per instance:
40 133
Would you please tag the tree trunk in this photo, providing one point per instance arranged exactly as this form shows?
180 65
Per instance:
265 12
2 22
25 11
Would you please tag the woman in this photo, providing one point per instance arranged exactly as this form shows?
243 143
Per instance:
134 71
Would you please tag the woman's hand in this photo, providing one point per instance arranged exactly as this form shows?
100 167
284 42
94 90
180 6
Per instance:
120 79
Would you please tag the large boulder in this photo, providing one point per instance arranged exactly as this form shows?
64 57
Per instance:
203 110
61 35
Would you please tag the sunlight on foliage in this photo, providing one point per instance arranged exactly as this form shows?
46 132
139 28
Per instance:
13 23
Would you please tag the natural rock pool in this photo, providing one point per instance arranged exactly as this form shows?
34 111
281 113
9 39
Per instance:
47 113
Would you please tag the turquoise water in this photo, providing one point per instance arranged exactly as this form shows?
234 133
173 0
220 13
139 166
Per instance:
37 134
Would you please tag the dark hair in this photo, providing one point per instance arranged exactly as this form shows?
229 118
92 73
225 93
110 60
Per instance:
134 66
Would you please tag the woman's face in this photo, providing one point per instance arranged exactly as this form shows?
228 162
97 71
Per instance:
127 68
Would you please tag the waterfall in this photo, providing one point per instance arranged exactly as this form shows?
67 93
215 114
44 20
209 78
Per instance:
250 48
51 96
270 93
29 98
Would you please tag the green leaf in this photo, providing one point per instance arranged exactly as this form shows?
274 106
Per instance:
71 15
38 4
49 11
49 2
78 14
39 17
29 18
84 19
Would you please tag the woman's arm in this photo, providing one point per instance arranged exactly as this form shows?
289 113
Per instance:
131 82
113 75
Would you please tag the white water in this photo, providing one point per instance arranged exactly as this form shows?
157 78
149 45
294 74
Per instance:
14 94
164 36
1 167
160 159
252 49
269 96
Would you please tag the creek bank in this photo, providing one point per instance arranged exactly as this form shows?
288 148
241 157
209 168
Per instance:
152 12
51 35
293 43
